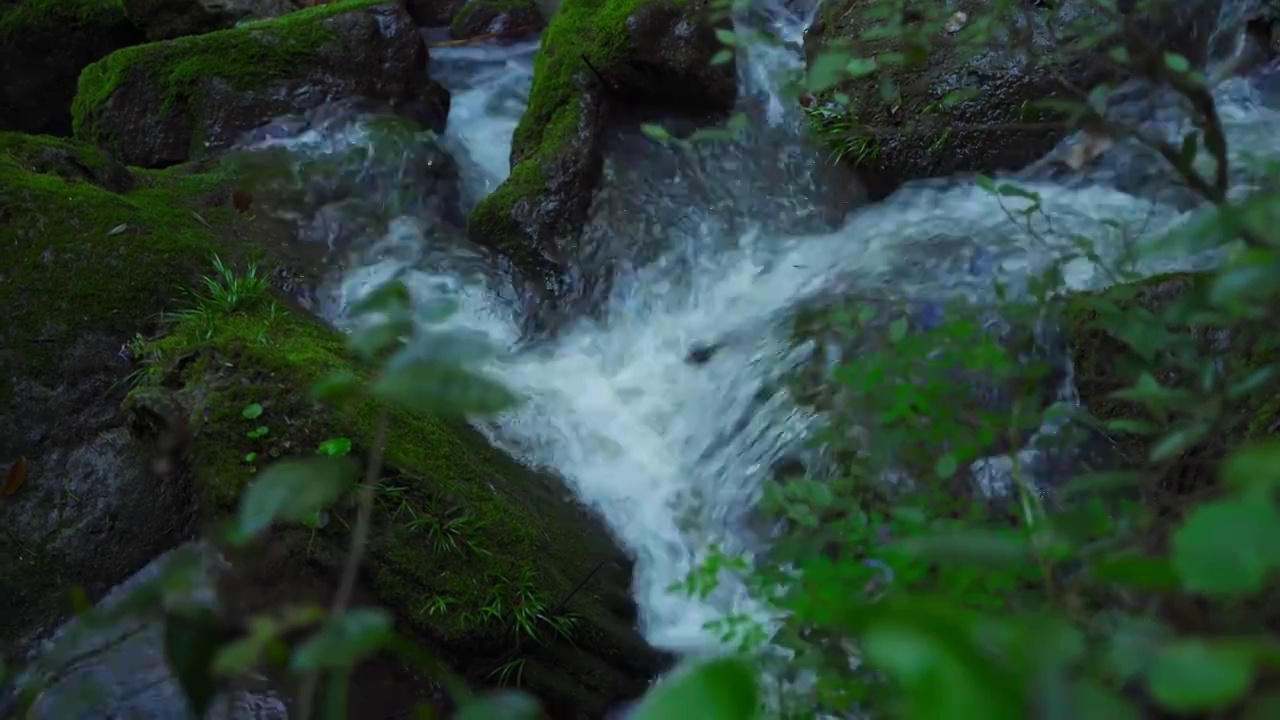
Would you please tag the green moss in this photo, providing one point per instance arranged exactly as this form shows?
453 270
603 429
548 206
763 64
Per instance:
245 57
27 153
273 356
26 16
595 29
520 532
66 272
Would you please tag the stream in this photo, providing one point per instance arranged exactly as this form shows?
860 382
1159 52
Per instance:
723 243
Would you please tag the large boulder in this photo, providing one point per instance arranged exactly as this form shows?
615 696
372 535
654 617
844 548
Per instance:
165 103
960 90
133 435
167 19
595 59
44 44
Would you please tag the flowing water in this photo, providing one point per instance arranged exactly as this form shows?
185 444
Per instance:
673 454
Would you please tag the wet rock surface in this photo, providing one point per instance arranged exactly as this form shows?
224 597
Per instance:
166 103
988 125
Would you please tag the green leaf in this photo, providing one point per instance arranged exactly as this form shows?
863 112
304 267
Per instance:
1179 441
860 67
344 640
336 385
190 643
946 466
391 297
1136 571
656 132
1191 675
941 672
433 388
726 37
826 71
240 655
971 547
500 705
335 447
1226 548
897 330
293 489
1177 63
722 57
252 412
1257 464
720 689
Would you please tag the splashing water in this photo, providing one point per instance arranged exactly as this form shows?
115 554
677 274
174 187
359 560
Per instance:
673 455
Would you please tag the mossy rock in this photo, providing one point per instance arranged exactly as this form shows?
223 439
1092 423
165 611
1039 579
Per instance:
86 269
596 55
520 541
91 269
506 18
44 44
168 102
957 83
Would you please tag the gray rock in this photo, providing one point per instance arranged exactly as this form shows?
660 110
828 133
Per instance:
111 661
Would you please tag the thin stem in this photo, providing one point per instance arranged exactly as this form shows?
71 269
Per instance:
351 569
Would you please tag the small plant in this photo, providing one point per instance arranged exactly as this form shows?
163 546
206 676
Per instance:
223 292
509 673
438 605
335 447
446 532
843 132
528 611
254 411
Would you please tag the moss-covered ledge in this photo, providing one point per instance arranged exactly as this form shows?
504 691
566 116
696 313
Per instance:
467 547
171 101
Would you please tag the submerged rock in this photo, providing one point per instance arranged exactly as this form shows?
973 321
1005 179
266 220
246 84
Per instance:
167 19
165 103
960 101
595 58
44 44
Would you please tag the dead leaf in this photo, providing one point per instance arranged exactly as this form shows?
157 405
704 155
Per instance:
957 21
1090 146
117 229
241 200
201 220
14 478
